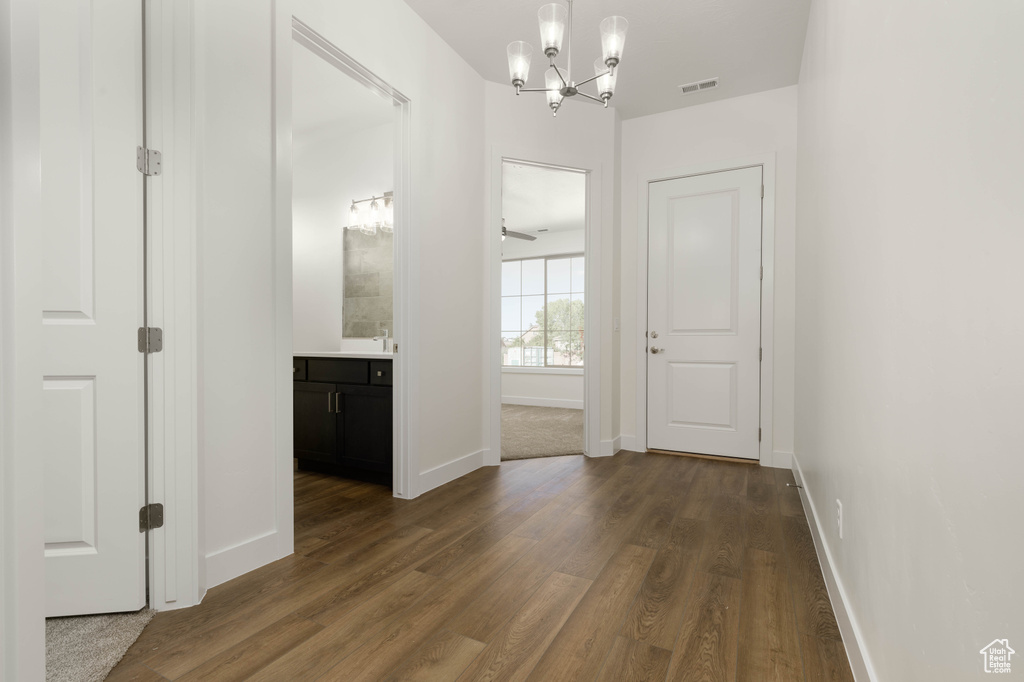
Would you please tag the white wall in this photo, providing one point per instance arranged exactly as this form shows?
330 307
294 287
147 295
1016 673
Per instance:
581 136
246 491
237 387
331 169
910 378
720 131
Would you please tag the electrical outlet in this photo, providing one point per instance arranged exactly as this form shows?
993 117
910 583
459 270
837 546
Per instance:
839 518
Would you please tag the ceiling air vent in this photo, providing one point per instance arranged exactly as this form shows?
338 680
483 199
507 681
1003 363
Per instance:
691 88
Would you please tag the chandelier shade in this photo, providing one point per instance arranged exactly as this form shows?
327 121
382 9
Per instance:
605 79
519 55
552 28
554 18
613 39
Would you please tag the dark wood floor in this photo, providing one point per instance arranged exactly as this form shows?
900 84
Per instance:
635 567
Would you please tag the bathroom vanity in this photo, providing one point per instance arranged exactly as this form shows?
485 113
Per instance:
343 414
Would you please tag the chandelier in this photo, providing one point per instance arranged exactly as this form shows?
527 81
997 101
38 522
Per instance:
375 213
558 84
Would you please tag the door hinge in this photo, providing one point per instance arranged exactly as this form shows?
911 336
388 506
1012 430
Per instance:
151 517
762 273
762 191
148 161
760 354
758 434
151 339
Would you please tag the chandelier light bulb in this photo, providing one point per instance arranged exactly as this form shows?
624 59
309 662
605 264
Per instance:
613 38
353 217
552 28
519 55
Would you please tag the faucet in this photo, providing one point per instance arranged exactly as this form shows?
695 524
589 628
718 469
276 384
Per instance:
384 339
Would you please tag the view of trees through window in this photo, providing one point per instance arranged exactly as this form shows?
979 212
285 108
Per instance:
542 312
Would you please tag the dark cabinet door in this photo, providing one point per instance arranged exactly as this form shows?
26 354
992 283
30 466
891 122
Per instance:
316 430
364 426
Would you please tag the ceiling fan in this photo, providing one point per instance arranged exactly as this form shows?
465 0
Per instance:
505 232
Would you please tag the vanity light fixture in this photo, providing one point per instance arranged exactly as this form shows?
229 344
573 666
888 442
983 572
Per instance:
558 84
375 213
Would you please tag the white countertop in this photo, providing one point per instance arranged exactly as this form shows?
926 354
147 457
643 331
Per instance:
367 355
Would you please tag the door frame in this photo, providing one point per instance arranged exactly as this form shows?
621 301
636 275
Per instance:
405 456
592 167
645 178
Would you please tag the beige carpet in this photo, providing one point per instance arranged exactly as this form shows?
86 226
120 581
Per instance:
540 432
86 648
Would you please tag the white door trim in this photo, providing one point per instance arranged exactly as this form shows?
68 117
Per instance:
176 559
592 302
767 162
405 479
22 574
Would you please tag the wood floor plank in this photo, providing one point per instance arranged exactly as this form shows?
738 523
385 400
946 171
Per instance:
579 649
771 644
762 525
242 660
679 553
825 660
813 606
137 672
457 555
604 537
515 650
486 615
723 545
633 661
656 614
327 648
442 659
387 650
705 649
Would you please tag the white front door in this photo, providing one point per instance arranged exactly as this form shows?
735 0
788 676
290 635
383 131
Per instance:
93 441
704 314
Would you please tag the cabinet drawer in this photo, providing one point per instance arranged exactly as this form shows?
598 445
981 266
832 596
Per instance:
380 373
299 369
339 371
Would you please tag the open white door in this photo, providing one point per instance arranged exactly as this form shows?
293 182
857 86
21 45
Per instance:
704 316
91 123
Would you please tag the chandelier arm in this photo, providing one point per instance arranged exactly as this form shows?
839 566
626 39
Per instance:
599 101
559 72
539 90
594 78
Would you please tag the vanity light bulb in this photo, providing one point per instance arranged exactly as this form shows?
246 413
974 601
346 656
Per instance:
353 217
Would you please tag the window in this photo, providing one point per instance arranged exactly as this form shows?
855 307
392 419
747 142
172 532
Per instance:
542 312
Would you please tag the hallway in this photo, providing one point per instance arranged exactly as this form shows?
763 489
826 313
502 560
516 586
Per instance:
635 567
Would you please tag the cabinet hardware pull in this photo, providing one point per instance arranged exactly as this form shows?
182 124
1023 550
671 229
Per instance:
337 403
328 402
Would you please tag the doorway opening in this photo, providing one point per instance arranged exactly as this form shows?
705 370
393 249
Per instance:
543 310
349 180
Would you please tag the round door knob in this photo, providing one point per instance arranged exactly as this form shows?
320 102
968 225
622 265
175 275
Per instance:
655 351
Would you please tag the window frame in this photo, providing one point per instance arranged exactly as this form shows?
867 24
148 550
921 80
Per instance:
560 369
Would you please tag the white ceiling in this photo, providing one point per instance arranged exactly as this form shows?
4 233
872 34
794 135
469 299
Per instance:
535 197
323 96
751 45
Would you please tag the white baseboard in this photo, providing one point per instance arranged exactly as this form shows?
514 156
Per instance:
234 561
853 637
610 447
449 471
627 443
542 402
779 460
